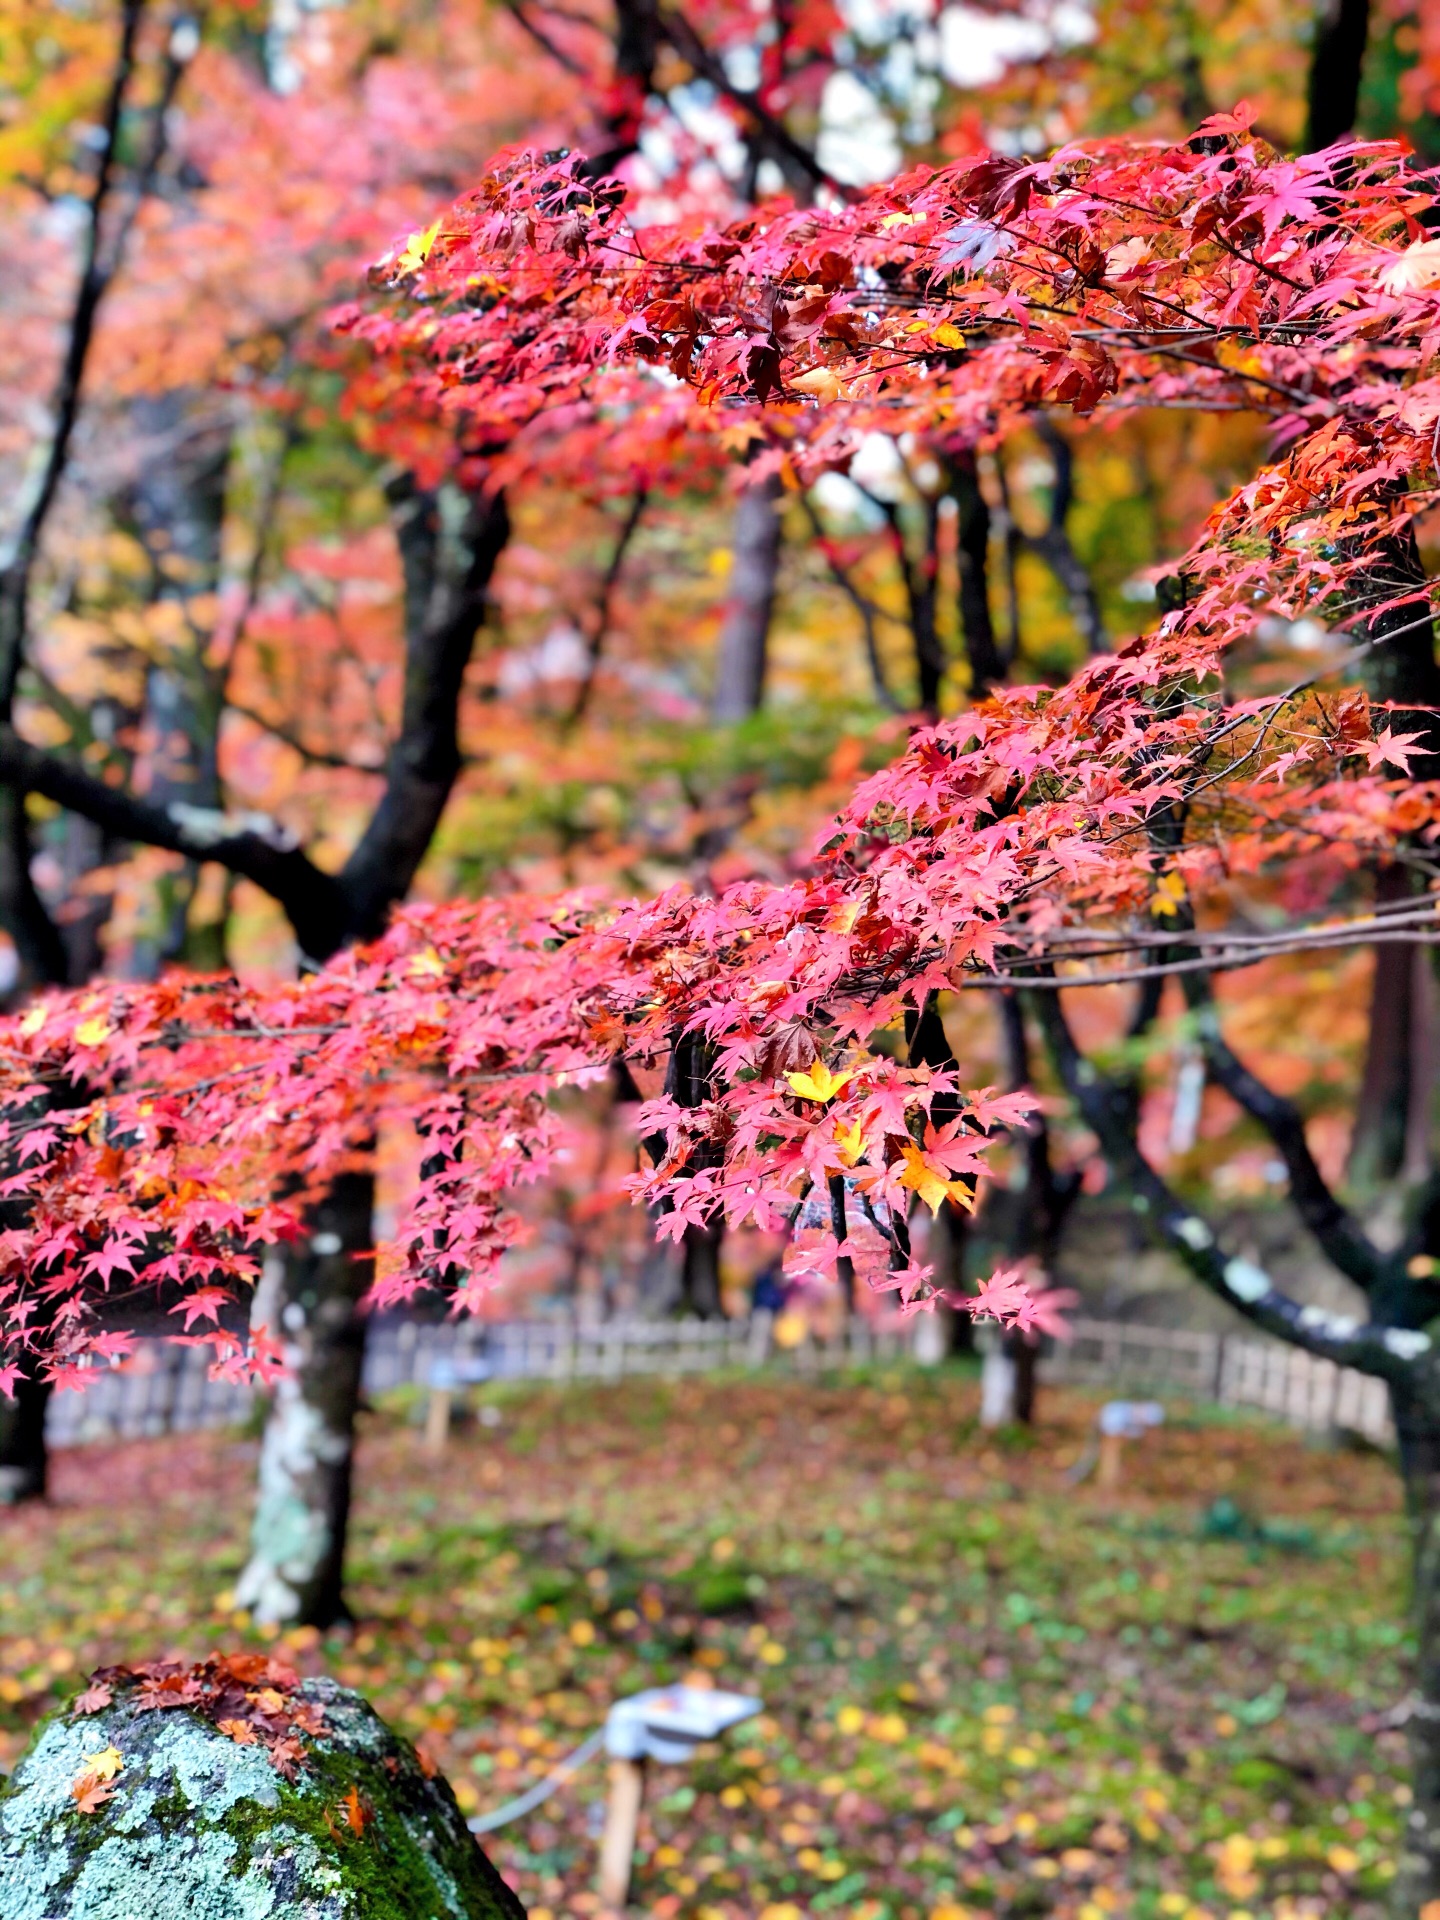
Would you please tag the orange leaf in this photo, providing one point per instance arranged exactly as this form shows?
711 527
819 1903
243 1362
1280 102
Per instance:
357 1814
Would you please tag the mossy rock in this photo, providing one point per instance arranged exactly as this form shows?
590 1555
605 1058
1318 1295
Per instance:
196 1825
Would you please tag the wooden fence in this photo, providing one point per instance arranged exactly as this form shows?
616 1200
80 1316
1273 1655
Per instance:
1227 1369
166 1389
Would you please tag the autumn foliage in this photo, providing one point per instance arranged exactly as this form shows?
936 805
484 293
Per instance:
161 1136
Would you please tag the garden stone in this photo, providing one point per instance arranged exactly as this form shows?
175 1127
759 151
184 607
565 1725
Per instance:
254 1796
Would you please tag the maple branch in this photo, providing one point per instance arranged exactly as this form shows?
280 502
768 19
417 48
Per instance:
271 493
95 276
447 597
544 42
1335 1229
972 562
1108 1110
310 897
1221 962
862 603
919 583
313 756
692 49
609 581
1055 547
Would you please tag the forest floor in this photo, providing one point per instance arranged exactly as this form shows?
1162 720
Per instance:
988 1692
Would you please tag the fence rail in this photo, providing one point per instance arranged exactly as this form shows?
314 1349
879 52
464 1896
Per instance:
166 1388
1230 1370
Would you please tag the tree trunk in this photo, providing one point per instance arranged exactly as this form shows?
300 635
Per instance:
1417 1423
744 638
296 1566
178 503
449 546
24 1458
1392 1121
1397 1091
700 1293
1333 94
972 556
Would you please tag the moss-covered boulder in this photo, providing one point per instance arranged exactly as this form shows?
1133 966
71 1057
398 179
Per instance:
233 1791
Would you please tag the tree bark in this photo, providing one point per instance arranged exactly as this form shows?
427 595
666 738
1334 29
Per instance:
297 1543
1392 1120
24 1457
1333 92
1025 1221
700 1293
1417 1424
1397 1090
178 506
973 563
744 637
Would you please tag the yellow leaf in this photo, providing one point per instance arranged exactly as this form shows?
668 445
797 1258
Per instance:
931 1185
426 965
417 249
105 1764
93 1032
819 382
819 1083
33 1021
948 335
851 1142
1169 895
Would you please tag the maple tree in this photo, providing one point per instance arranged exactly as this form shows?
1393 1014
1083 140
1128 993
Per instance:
1122 827
1106 830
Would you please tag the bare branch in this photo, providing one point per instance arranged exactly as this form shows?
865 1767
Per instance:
255 849
604 602
313 756
1107 1110
1336 1230
868 611
95 276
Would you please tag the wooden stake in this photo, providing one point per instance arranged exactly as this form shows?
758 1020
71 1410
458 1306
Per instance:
437 1420
1112 1447
617 1842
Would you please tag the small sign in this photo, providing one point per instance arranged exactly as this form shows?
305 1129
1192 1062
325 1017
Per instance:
1130 1419
667 1723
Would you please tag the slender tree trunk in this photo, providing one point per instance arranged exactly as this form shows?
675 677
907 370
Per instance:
700 1293
1392 1121
297 1543
178 504
1417 1423
1397 1090
972 553
1333 93
24 1458
740 670
744 638
448 548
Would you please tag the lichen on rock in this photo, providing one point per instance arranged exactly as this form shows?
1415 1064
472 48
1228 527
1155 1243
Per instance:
124 1809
